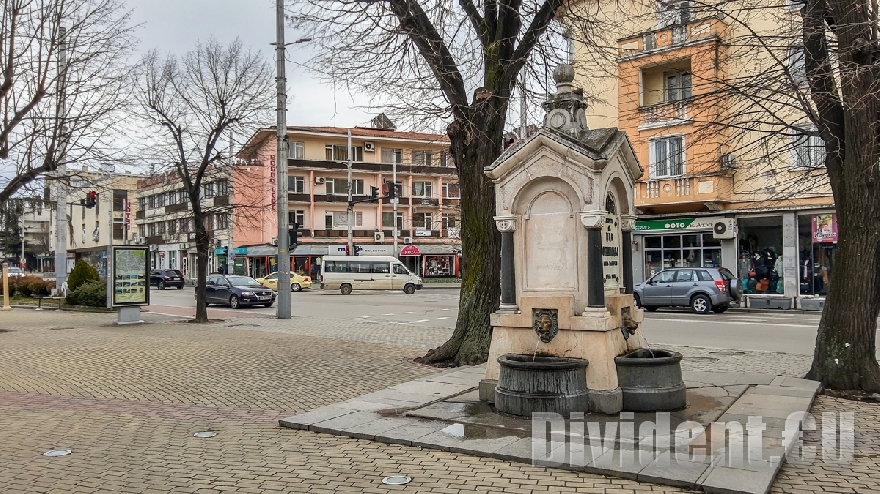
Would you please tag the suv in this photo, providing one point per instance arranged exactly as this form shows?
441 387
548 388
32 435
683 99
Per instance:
236 291
166 277
702 289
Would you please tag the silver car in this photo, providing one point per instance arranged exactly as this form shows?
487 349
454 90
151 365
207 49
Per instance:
701 289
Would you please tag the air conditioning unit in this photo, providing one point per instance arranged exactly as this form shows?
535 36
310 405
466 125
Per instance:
724 229
319 180
369 146
379 236
407 240
140 240
274 241
728 161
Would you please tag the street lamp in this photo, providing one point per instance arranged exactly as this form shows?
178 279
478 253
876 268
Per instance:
283 238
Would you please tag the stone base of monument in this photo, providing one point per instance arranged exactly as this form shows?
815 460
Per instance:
651 380
536 384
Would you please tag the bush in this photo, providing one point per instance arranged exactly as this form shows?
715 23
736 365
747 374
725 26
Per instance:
90 293
82 272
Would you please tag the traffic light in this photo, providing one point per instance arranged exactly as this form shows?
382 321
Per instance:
222 252
293 234
374 192
390 189
91 199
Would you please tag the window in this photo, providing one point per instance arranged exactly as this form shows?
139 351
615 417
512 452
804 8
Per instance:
222 221
172 227
399 269
336 152
449 221
451 190
797 69
388 220
328 220
421 157
160 228
339 219
807 151
685 275
142 203
222 187
422 189
119 198
445 159
208 191
118 231
422 221
296 217
296 150
392 155
142 230
296 185
664 277
151 200
381 267
339 187
666 156
183 225
676 86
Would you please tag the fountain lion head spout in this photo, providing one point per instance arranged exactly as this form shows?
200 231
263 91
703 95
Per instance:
546 324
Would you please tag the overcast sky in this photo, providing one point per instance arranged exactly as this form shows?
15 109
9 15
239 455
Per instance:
176 26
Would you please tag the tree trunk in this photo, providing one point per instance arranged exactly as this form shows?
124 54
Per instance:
474 145
202 248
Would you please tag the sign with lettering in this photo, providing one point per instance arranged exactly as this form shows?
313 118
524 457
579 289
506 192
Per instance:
611 249
677 224
824 228
272 179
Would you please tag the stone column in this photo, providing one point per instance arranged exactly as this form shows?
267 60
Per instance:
594 221
627 224
507 225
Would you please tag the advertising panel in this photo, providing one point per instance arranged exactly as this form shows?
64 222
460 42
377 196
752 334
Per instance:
130 276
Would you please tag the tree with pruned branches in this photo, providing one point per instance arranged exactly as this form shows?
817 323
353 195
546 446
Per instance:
194 104
454 61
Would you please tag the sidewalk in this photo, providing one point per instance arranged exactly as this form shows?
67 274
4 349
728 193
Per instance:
128 400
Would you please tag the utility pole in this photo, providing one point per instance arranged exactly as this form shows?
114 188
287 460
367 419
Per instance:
395 200
350 211
60 173
283 238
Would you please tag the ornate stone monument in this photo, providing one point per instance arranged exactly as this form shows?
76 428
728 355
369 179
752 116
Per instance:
564 203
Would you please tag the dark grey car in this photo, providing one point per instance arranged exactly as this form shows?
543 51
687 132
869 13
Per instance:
237 291
701 289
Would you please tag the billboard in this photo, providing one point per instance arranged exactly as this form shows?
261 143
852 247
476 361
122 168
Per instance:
129 280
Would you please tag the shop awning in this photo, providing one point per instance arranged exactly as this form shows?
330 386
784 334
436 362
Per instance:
310 250
410 250
439 249
262 250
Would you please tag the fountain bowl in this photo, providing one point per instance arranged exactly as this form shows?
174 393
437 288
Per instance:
651 380
538 383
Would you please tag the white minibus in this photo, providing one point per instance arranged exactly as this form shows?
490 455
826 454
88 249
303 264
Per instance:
347 273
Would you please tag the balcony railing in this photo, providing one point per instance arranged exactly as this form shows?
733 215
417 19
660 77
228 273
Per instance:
664 112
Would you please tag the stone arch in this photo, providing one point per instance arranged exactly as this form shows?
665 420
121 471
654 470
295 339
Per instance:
615 186
528 195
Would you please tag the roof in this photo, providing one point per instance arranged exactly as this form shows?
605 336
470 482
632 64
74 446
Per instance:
360 132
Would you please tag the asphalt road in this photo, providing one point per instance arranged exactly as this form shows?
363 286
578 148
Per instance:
771 331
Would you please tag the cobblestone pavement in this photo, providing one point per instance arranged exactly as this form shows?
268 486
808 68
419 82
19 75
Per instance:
127 401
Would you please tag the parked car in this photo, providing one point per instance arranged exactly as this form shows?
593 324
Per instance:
15 272
237 291
702 289
297 282
166 277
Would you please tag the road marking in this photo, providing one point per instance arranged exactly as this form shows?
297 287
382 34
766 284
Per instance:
366 317
422 320
444 309
441 318
387 314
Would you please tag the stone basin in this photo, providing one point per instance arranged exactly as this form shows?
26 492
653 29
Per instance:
650 380
529 384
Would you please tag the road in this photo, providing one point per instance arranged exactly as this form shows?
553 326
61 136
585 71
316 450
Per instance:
770 331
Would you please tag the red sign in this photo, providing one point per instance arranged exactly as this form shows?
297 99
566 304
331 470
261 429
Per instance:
272 178
410 250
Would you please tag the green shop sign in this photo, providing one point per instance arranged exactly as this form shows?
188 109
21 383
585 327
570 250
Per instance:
675 224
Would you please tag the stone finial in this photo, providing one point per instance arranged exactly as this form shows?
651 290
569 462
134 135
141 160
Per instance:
563 75
566 109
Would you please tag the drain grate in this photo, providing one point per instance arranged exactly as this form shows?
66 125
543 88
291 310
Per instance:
700 359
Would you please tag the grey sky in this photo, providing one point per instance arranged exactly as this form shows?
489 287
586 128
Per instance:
176 26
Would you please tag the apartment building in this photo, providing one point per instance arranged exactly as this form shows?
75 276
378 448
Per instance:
164 221
26 240
428 210
724 185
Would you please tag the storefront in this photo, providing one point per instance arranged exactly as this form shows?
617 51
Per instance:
681 242
817 249
440 261
307 260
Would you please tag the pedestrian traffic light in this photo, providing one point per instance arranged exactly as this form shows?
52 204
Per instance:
91 199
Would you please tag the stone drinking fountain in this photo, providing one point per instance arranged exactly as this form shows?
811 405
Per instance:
564 203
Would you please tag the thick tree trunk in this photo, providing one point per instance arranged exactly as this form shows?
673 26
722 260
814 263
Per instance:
475 144
202 248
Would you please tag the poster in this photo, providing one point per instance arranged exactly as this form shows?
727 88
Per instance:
130 276
824 228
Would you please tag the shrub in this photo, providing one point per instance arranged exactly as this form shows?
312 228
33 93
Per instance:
90 293
82 272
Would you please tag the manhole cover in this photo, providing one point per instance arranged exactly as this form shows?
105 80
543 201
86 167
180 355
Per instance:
396 480
701 359
205 434
728 353
57 452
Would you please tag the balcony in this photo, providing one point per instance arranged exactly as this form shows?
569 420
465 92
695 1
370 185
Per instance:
221 200
298 197
670 38
176 208
665 114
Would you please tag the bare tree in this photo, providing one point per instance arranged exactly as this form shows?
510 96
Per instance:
456 61
34 135
192 104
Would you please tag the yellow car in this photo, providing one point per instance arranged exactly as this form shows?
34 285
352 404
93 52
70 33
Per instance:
297 282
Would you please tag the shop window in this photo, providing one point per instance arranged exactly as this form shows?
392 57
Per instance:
817 243
439 265
759 265
666 156
680 251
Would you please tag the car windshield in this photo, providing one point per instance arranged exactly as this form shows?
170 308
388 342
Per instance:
271 276
242 281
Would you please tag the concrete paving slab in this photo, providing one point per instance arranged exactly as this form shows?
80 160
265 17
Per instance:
407 433
783 391
669 469
304 420
720 479
477 446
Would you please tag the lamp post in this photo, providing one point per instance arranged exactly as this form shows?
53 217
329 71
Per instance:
283 238
23 260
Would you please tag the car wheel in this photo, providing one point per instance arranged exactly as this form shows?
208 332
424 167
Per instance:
409 289
719 309
294 287
637 301
234 302
161 285
650 308
269 304
345 289
701 304
180 287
